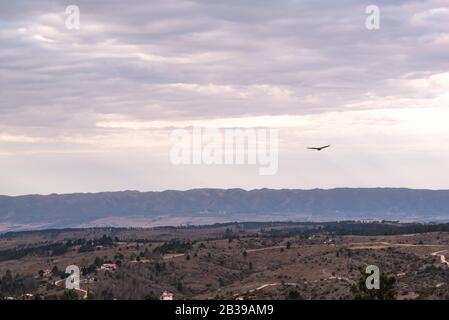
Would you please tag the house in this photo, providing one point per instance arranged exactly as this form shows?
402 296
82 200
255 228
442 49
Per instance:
108 266
47 273
26 296
166 295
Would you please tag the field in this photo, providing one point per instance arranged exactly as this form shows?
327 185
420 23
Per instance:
226 261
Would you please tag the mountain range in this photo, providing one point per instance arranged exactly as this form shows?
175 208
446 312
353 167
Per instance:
199 206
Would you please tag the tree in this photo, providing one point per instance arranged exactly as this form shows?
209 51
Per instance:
7 283
387 290
90 295
294 295
70 295
17 285
38 296
151 296
98 261
55 270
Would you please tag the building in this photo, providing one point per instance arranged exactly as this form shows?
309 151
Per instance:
166 295
47 273
108 266
26 296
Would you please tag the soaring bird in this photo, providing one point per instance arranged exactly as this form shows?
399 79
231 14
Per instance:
318 149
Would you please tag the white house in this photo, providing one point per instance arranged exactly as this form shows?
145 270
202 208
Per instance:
166 295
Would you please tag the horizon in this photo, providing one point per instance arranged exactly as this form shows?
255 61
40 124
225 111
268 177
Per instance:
225 189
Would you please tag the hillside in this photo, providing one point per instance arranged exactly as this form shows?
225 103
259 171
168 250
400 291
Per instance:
216 205
249 261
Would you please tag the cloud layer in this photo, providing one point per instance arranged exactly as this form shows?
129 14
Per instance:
72 102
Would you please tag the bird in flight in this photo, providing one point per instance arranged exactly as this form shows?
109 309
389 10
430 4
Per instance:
318 149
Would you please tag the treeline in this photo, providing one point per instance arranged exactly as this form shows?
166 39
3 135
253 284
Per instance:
54 249
296 231
379 228
52 233
173 246
90 245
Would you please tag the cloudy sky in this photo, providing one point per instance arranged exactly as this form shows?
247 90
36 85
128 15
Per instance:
92 109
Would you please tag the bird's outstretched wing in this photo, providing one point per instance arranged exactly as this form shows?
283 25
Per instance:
320 148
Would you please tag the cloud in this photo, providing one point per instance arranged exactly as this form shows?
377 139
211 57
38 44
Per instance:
135 69
14 138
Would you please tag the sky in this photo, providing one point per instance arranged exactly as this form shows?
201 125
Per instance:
92 109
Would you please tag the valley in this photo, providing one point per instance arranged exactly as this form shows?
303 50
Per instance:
244 261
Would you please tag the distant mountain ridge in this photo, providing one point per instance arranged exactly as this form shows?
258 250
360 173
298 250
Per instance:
220 204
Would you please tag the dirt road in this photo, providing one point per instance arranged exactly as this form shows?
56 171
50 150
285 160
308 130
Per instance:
266 248
442 257
58 283
384 245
